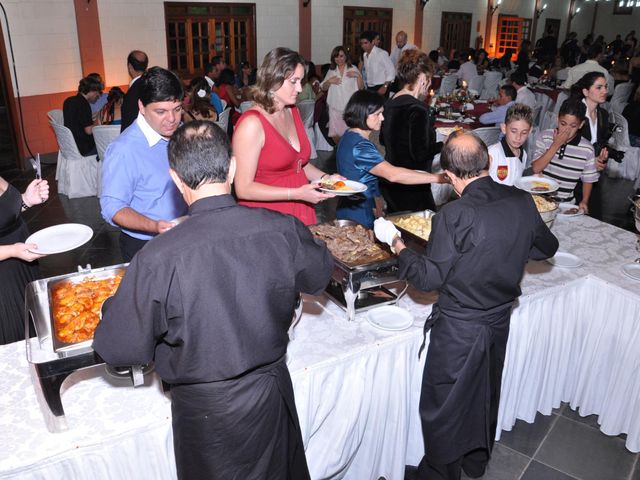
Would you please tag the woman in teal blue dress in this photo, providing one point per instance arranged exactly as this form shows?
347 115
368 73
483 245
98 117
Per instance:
358 159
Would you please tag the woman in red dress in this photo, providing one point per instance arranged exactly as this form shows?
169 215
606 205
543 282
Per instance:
271 146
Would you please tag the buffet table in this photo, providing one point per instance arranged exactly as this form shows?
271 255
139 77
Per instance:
574 338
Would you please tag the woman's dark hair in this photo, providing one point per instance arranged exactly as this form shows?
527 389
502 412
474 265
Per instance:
278 65
586 82
518 77
227 77
115 94
199 153
434 55
160 85
200 104
335 52
362 104
575 107
464 161
411 64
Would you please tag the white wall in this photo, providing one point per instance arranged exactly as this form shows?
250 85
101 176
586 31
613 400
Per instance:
45 44
139 24
327 22
433 19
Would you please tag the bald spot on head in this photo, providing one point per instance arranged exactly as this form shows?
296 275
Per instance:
465 155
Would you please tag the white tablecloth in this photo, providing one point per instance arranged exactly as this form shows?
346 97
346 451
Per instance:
574 338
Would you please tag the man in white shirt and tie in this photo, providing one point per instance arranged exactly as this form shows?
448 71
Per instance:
524 95
379 69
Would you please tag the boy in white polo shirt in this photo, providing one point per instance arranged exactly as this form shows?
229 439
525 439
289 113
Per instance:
508 158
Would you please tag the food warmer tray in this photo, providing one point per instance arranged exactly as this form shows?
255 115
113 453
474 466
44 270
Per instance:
52 361
411 240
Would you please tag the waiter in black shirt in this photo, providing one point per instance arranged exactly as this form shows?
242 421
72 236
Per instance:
475 258
210 302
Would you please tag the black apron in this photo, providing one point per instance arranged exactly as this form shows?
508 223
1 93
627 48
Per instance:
461 382
245 428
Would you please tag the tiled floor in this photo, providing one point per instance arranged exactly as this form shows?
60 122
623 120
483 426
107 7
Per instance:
561 446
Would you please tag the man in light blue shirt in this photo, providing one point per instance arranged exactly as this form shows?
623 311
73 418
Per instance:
506 98
138 194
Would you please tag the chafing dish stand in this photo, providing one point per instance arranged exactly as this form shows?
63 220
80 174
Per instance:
49 366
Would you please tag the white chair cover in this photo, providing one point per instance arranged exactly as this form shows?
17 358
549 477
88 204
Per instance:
562 96
77 176
223 119
477 83
307 109
448 85
321 142
629 168
530 145
56 116
549 120
562 74
246 105
103 136
489 135
620 96
441 191
491 85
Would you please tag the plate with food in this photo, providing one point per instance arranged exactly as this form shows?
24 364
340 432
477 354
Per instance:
341 187
537 184
446 131
569 210
60 238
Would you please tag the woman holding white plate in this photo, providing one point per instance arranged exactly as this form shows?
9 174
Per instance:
16 267
358 159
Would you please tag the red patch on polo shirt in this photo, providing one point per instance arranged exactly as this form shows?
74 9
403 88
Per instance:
503 171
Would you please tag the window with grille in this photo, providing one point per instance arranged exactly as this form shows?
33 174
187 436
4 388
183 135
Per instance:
510 34
361 19
198 31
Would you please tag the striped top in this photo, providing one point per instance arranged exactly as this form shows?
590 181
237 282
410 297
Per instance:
572 162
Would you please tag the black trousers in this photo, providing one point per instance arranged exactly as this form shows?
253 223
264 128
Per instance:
129 246
376 87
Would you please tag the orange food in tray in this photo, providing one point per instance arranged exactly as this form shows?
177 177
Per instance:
76 307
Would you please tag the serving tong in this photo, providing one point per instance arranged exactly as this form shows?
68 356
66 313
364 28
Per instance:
35 163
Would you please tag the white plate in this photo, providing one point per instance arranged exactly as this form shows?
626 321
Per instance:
527 183
565 206
445 120
631 270
390 317
565 260
60 238
354 187
445 131
481 101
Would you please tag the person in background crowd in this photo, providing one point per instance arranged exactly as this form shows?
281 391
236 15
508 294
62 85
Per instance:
102 99
77 114
111 113
508 157
558 70
17 266
569 49
504 62
632 113
228 92
232 404
506 98
523 94
523 57
469 324
246 75
271 145
408 135
565 156
630 42
199 106
137 63
548 47
468 68
592 64
442 58
138 195
400 47
311 89
341 81
617 45
358 159
213 69
482 61
379 69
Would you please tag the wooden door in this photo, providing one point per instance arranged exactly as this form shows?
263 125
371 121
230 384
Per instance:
360 19
510 30
455 31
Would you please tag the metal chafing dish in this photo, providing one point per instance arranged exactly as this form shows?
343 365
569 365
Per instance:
52 361
410 239
356 288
